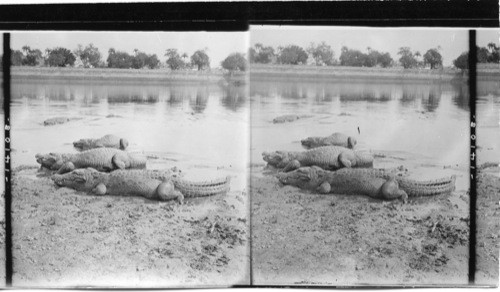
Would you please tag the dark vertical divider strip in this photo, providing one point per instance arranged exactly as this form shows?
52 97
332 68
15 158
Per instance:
472 192
6 108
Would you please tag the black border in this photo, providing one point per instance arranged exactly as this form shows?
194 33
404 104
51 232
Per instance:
236 16
7 174
472 170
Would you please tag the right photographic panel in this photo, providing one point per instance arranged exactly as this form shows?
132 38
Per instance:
360 155
488 156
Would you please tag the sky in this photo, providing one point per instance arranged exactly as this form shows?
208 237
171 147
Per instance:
219 44
452 41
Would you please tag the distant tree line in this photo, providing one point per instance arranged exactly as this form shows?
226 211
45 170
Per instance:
323 55
90 57
488 54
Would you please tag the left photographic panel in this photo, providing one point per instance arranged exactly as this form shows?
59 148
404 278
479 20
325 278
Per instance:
130 156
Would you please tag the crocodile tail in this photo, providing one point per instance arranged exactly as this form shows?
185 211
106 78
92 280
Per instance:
427 188
201 189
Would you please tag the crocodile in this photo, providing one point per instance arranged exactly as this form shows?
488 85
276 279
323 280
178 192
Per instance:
102 159
335 139
376 183
289 118
151 184
58 120
327 157
109 141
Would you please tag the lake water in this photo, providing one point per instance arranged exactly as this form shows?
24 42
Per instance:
205 129
488 122
200 128
422 126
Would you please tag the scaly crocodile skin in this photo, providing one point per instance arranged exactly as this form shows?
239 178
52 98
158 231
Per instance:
109 141
102 159
326 157
378 183
160 185
335 139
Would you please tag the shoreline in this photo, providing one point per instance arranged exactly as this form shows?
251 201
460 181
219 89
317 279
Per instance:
256 72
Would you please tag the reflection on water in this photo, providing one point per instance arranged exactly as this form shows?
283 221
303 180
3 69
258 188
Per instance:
201 128
232 97
488 122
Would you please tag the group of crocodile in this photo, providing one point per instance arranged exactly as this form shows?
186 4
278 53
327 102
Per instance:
333 166
104 168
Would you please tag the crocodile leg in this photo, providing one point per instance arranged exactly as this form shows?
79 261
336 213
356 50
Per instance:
119 161
66 167
99 190
345 161
390 190
292 165
166 192
324 188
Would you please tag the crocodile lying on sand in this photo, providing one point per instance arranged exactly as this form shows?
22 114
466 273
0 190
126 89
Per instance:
326 157
335 139
109 141
102 159
155 185
376 183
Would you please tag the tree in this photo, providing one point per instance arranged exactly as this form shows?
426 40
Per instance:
31 57
90 56
174 60
350 57
200 59
494 53
385 60
482 55
261 54
292 54
235 62
152 61
117 59
462 62
407 58
322 54
16 58
60 57
433 58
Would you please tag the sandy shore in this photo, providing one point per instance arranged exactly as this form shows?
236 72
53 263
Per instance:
302 238
64 238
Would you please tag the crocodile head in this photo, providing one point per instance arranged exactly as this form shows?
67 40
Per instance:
304 177
278 158
52 161
81 144
78 179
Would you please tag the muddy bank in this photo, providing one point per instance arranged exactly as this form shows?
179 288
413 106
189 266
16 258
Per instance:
488 226
63 238
119 75
303 238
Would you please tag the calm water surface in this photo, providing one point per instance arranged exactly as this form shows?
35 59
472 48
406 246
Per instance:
200 128
488 122
423 126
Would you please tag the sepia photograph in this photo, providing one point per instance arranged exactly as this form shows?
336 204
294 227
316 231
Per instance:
360 156
129 159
